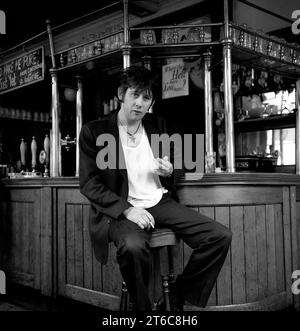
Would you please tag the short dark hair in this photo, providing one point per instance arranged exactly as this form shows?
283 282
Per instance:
139 78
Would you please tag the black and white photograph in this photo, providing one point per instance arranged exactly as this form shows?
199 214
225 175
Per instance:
149 161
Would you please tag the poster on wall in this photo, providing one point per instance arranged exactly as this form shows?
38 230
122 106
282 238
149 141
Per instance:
175 80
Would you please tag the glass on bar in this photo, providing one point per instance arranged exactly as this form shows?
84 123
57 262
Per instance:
210 162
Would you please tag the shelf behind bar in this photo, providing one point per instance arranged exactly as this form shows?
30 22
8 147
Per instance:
241 55
89 42
248 57
267 123
107 59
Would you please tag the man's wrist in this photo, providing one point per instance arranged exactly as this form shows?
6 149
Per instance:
126 211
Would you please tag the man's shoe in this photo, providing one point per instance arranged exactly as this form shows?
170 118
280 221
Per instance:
159 305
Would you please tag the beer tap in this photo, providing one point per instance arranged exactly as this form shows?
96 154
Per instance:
47 152
68 143
33 154
23 148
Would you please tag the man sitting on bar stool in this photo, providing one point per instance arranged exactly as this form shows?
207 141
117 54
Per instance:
136 193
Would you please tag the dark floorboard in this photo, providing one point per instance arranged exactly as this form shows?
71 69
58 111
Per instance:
26 299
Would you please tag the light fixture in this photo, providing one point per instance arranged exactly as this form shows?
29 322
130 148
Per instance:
70 94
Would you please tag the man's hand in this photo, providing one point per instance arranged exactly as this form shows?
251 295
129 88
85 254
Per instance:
140 216
164 168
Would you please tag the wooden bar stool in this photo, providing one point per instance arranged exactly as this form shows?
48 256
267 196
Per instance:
161 239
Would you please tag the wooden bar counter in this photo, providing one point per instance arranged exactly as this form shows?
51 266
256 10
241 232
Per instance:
45 241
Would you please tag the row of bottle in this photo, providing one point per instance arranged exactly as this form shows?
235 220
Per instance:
22 114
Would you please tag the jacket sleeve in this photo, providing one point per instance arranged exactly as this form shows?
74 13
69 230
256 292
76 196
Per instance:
102 198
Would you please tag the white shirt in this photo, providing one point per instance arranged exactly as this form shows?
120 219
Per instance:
145 189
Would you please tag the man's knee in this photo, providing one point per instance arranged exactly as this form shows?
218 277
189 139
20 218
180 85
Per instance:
134 245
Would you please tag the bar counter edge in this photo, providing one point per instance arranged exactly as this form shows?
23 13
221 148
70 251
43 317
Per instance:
252 178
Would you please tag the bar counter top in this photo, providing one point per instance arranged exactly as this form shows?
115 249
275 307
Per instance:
238 178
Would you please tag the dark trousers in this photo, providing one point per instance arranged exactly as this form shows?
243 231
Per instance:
209 240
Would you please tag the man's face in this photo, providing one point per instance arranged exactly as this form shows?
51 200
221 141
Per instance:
136 104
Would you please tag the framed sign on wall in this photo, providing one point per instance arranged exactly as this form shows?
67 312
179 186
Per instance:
23 70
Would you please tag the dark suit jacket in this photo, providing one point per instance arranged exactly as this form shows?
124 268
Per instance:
107 190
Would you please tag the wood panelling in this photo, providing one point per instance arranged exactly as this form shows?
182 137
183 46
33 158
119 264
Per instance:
256 268
261 244
250 254
287 242
260 260
238 267
279 249
87 250
78 269
297 225
69 242
47 244
224 286
41 222
209 212
21 213
295 228
78 244
271 252
225 195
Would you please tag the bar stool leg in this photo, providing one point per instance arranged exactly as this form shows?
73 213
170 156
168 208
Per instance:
166 292
172 288
171 265
124 302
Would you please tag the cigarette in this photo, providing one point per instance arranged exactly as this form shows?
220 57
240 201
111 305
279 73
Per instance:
152 225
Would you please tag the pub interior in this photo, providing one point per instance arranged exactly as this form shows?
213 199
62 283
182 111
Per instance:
241 64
